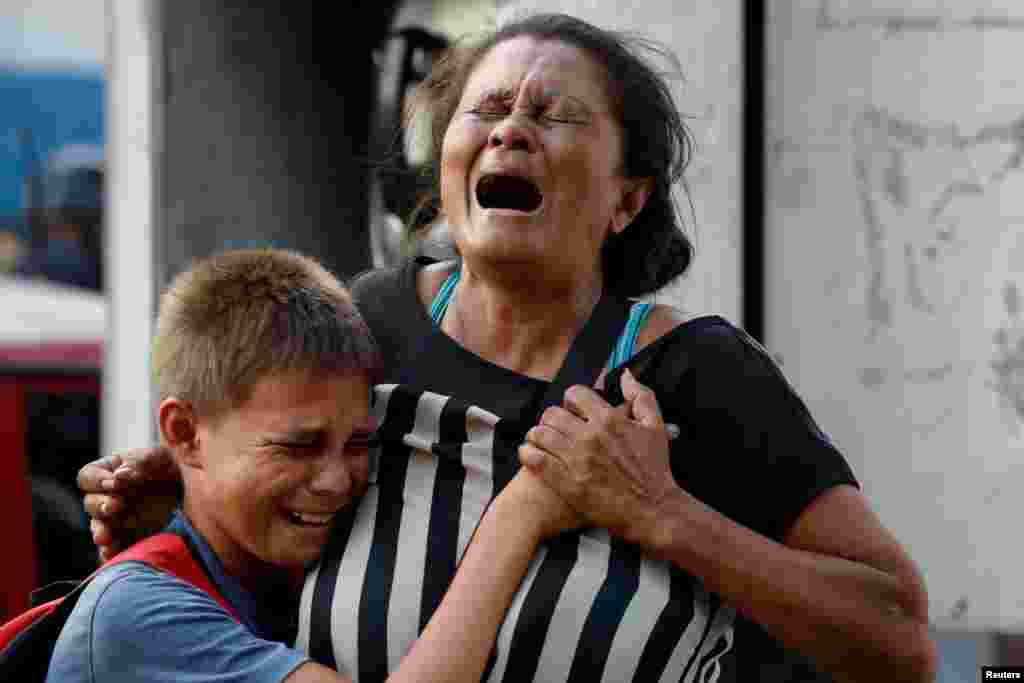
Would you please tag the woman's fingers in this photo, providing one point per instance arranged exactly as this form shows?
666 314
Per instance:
609 463
98 475
550 436
103 506
104 540
551 468
145 464
115 472
643 403
586 403
101 535
122 471
150 464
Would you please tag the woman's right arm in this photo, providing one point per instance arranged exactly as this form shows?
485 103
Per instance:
459 638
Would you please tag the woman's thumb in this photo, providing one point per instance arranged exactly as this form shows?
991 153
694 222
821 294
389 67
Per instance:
643 403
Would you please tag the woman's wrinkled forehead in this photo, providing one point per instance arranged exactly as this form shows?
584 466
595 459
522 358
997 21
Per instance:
540 70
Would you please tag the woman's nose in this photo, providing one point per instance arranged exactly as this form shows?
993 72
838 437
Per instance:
513 134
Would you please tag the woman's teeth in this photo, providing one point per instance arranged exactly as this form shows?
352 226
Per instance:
310 518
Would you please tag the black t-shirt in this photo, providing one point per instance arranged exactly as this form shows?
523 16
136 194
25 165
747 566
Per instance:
748 446
746 435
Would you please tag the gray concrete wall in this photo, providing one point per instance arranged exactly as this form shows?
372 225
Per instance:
895 236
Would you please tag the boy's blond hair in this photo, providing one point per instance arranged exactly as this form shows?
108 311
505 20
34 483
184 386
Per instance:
235 317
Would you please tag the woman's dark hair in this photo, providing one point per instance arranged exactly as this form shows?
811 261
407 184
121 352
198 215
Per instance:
653 251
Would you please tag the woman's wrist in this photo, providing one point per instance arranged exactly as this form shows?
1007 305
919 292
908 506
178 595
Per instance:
661 525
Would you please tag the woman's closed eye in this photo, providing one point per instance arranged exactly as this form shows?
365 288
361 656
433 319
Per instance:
492 114
489 113
575 121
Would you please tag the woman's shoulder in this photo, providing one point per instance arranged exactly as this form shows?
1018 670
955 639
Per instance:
373 281
707 342
665 323
661 320
422 274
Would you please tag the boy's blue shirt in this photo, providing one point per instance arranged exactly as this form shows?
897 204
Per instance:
135 623
271 614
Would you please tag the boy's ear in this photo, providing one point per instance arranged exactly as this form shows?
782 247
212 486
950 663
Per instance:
180 430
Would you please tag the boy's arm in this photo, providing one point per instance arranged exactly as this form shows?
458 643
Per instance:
459 638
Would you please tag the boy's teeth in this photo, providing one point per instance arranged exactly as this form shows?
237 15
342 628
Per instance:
309 518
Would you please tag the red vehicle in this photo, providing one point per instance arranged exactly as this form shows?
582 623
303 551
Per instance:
50 359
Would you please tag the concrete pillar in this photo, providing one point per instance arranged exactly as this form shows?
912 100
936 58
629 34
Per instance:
264 113
231 124
127 412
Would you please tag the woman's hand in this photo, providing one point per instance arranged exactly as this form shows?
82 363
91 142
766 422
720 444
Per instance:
840 577
129 496
611 464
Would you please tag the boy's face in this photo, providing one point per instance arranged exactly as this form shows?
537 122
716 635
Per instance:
279 466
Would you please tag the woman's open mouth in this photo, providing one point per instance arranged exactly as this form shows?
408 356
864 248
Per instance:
496 191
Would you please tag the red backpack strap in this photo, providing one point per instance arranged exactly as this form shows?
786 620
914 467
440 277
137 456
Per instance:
172 554
27 641
12 628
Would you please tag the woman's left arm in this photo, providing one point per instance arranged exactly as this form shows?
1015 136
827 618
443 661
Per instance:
839 588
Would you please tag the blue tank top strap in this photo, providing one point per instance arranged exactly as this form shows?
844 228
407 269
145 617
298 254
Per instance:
625 347
444 296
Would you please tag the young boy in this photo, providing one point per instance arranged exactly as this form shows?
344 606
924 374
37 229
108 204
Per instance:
264 369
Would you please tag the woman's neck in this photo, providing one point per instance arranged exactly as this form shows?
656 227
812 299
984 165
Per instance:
525 323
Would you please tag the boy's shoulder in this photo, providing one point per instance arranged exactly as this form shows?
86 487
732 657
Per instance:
124 611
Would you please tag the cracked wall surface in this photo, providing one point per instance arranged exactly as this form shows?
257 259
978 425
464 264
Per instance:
895 261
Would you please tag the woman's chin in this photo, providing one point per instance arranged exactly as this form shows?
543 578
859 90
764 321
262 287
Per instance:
506 251
505 234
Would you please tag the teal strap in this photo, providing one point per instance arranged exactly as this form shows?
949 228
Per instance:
626 345
444 296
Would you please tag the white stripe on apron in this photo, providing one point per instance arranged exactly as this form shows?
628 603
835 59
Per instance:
567 624
410 565
640 617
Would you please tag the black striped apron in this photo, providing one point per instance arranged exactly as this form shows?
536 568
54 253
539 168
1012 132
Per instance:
591 607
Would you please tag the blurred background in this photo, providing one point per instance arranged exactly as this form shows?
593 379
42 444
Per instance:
857 202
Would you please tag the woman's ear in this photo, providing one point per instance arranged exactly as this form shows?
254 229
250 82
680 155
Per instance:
635 192
180 430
